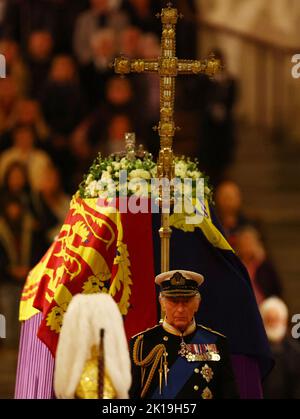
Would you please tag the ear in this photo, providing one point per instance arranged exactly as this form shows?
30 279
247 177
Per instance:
197 304
162 303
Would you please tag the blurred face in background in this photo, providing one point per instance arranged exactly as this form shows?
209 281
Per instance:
63 69
40 45
16 178
8 92
10 50
275 322
13 211
79 146
149 46
104 44
24 139
129 41
51 181
100 6
228 198
141 5
119 91
249 247
27 112
118 126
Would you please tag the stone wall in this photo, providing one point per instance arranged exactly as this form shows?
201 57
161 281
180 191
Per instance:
259 56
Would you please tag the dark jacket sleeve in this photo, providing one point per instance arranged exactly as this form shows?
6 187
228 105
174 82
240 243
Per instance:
228 386
135 390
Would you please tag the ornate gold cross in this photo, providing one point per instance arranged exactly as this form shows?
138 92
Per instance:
168 66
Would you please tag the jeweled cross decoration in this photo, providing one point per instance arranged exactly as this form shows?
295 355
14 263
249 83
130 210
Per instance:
168 66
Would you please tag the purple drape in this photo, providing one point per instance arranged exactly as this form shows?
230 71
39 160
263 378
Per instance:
247 375
35 364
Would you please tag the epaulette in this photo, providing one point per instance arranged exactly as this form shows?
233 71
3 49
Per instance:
212 331
145 331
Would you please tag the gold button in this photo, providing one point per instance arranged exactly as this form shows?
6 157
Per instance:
196 370
166 338
196 388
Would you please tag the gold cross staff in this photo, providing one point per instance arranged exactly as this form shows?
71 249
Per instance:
168 66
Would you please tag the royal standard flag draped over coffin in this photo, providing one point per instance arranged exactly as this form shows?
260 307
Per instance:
97 250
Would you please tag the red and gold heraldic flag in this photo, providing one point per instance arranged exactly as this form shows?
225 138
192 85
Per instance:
98 250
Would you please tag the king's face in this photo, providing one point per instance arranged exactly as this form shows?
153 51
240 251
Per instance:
180 311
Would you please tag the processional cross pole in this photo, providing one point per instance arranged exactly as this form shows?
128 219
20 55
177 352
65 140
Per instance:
168 67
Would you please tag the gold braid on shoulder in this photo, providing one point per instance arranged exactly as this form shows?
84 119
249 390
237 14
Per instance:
154 357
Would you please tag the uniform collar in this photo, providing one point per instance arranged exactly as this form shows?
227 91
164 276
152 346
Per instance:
170 329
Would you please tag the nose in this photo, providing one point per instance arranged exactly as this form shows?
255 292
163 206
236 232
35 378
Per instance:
180 307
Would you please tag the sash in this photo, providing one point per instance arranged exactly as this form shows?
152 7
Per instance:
182 370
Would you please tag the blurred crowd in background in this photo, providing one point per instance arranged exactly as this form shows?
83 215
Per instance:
61 104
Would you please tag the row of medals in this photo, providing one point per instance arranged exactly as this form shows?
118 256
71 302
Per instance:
188 352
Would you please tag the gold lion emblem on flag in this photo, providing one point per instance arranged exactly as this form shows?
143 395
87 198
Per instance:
91 234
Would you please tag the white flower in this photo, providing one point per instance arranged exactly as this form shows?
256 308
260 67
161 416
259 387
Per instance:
111 188
89 179
138 187
154 189
124 163
187 190
207 190
107 184
123 187
116 165
139 173
91 189
180 173
194 175
99 185
153 171
181 169
103 194
105 176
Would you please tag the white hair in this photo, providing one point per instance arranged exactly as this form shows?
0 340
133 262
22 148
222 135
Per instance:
274 303
84 318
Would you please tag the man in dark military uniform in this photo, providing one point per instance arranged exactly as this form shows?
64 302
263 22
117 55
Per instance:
179 359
